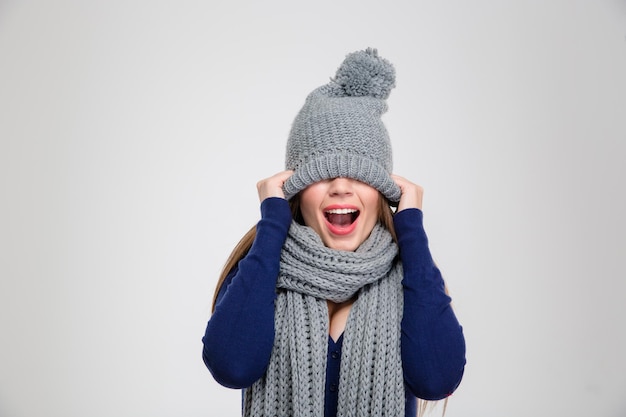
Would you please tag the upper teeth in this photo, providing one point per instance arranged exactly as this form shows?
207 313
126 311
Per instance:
341 211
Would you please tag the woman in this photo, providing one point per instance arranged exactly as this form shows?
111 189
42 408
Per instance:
332 304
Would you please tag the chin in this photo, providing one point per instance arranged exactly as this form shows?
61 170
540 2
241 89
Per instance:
344 247
349 245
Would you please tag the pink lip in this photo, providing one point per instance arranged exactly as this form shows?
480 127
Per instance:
340 206
340 231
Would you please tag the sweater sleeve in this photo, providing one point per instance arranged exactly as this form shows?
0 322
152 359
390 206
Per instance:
240 334
433 345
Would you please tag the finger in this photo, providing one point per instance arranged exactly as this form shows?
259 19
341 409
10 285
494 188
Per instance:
273 186
283 175
400 181
412 194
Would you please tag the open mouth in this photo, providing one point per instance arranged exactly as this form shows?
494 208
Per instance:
341 217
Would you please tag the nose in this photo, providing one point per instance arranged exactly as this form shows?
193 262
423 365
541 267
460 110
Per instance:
340 186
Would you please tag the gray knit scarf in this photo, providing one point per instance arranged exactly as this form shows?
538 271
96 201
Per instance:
371 381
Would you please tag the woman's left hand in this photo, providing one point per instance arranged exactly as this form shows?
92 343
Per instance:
412 194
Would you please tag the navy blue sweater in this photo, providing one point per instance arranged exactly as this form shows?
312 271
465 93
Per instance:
240 334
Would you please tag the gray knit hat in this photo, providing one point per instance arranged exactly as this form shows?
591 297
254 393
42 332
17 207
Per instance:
339 131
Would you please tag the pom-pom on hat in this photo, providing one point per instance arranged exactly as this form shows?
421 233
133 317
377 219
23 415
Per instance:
339 131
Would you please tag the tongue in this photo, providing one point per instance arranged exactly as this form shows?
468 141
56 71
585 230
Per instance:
340 220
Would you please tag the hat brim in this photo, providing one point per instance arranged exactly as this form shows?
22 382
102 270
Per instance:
347 165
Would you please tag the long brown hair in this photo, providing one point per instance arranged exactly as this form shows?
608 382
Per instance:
385 217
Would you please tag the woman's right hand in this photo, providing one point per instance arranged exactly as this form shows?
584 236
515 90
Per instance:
273 186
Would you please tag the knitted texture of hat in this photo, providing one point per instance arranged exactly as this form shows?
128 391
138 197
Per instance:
339 131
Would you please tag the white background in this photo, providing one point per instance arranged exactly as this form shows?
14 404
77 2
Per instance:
133 133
